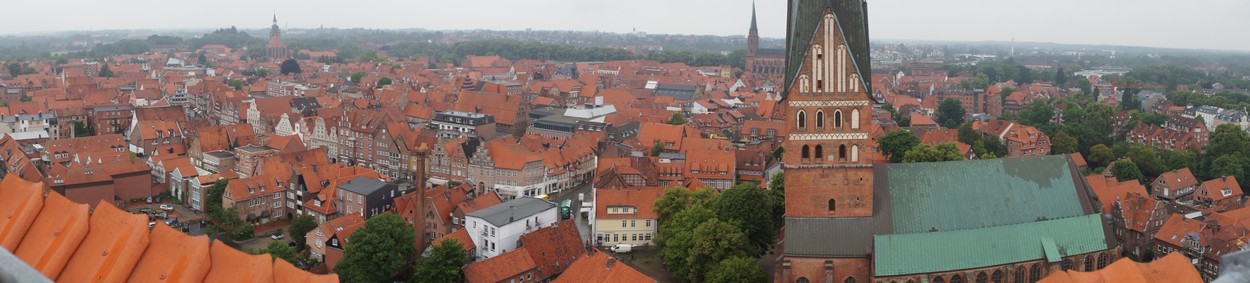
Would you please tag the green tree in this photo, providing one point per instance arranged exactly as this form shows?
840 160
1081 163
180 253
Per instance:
357 76
256 52
1098 119
895 144
777 192
657 149
203 60
677 119
696 251
1229 165
1180 159
1127 170
1085 85
384 81
1226 140
1146 159
300 226
672 202
737 270
105 71
371 56
1036 113
950 114
444 263
926 153
280 250
1064 143
741 204
1100 156
235 84
377 251
290 66
967 135
1061 77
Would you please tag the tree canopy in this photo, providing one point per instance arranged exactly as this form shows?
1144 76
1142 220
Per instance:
1127 170
742 204
925 153
290 66
444 263
377 251
300 226
895 144
950 113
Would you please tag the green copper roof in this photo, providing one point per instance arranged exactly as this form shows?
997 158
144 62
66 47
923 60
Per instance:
1052 251
902 254
950 196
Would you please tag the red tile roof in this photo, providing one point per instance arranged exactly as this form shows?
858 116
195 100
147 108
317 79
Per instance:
642 198
67 243
1219 189
1173 268
1109 190
599 267
500 267
1176 227
554 248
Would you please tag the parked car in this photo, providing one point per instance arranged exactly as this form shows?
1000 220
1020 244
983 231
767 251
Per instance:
149 199
622 248
151 224
146 210
171 221
162 215
167 207
277 235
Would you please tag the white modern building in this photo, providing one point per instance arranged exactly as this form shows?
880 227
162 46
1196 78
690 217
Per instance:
496 230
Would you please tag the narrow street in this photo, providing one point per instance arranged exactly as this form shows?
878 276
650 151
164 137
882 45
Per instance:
583 224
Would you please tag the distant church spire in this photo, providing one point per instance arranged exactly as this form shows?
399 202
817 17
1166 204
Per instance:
754 29
275 19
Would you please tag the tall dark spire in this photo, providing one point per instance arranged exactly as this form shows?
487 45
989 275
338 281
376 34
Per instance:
754 29
275 19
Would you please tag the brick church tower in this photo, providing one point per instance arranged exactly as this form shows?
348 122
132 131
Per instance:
828 150
828 156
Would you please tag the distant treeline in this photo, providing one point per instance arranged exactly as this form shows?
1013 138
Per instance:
515 50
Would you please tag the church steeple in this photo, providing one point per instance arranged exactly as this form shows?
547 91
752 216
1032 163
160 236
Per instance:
753 37
755 31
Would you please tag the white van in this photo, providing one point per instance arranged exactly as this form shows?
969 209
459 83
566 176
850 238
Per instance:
622 248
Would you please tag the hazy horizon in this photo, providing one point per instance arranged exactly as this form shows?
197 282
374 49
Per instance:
1106 22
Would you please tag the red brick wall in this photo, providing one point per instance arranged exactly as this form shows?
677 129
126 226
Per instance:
134 185
90 194
808 192
815 270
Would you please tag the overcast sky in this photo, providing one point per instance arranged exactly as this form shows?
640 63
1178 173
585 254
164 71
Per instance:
1206 24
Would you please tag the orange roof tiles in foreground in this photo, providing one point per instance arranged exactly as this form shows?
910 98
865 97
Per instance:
286 272
600 267
1173 268
173 257
56 233
115 241
67 243
21 203
231 265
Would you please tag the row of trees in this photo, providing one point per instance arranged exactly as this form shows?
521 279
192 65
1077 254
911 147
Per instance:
515 49
705 236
